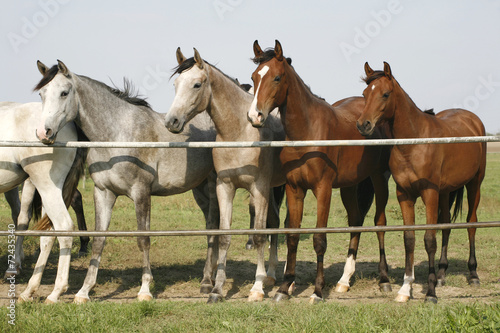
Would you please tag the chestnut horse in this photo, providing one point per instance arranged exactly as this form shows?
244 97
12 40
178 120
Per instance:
436 172
307 117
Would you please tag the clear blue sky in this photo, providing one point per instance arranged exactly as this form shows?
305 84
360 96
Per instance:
444 53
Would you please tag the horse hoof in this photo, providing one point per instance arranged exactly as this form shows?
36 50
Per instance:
440 283
81 300
280 297
474 283
341 288
145 297
255 296
269 281
249 246
385 287
402 298
214 298
206 288
314 299
431 299
24 299
12 274
49 301
291 289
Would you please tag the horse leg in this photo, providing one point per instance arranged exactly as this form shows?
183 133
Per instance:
444 217
295 199
430 198
77 205
46 244
354 218
250 245
381 186
104 201
473 197
225 195
15 204
323 196
12 197
260 201
142 203
273 221
407 205
206 199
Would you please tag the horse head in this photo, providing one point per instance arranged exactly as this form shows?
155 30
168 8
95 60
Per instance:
192 91
269 81
59 100
379 99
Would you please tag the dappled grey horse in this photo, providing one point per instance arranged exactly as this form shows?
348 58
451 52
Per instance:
201 86
107 114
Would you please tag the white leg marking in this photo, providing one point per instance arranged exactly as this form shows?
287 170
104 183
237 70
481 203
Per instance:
349 268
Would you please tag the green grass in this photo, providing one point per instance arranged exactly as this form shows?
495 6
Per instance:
177 263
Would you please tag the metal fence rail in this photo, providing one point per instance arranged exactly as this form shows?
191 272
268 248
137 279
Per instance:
216 232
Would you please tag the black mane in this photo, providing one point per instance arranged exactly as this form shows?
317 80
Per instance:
267 55
48 76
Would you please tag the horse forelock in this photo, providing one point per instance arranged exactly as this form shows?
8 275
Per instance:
47 77
374 76
267 55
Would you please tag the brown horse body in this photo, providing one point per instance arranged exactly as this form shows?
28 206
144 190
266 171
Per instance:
436 172
307 117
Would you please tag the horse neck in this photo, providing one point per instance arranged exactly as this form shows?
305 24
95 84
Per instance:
228 106
100 113
300 108
408 118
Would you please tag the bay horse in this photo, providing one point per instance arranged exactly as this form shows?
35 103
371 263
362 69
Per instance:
436 172
31 206
109 114
54 172
201 86
352 169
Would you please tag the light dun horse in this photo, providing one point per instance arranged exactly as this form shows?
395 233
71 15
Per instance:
107 114
436 172
54 172
201 86
307 117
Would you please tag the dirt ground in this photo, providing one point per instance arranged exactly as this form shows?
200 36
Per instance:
493 147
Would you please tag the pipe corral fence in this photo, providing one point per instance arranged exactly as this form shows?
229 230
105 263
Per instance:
252 144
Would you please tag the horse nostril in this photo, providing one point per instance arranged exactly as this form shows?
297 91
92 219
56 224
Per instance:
48 132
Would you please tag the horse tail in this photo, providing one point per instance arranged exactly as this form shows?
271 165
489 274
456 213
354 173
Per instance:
69 187
366 192
457 197
279 194
36 206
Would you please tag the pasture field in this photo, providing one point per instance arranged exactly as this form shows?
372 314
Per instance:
177 264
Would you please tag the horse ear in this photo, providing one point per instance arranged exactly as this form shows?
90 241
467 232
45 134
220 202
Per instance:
387 70
41 67
278 50
62 67
198 59
257 51
180 57
368 70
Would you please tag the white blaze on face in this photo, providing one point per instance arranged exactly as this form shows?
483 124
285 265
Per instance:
253 113
373 87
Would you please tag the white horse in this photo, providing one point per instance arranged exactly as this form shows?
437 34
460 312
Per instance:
54 172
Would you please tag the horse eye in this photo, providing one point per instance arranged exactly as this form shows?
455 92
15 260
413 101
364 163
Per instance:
64 94
386 95
197 85
277 78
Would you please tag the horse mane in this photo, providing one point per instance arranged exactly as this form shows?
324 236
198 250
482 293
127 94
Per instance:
379 74
128 94
189 63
